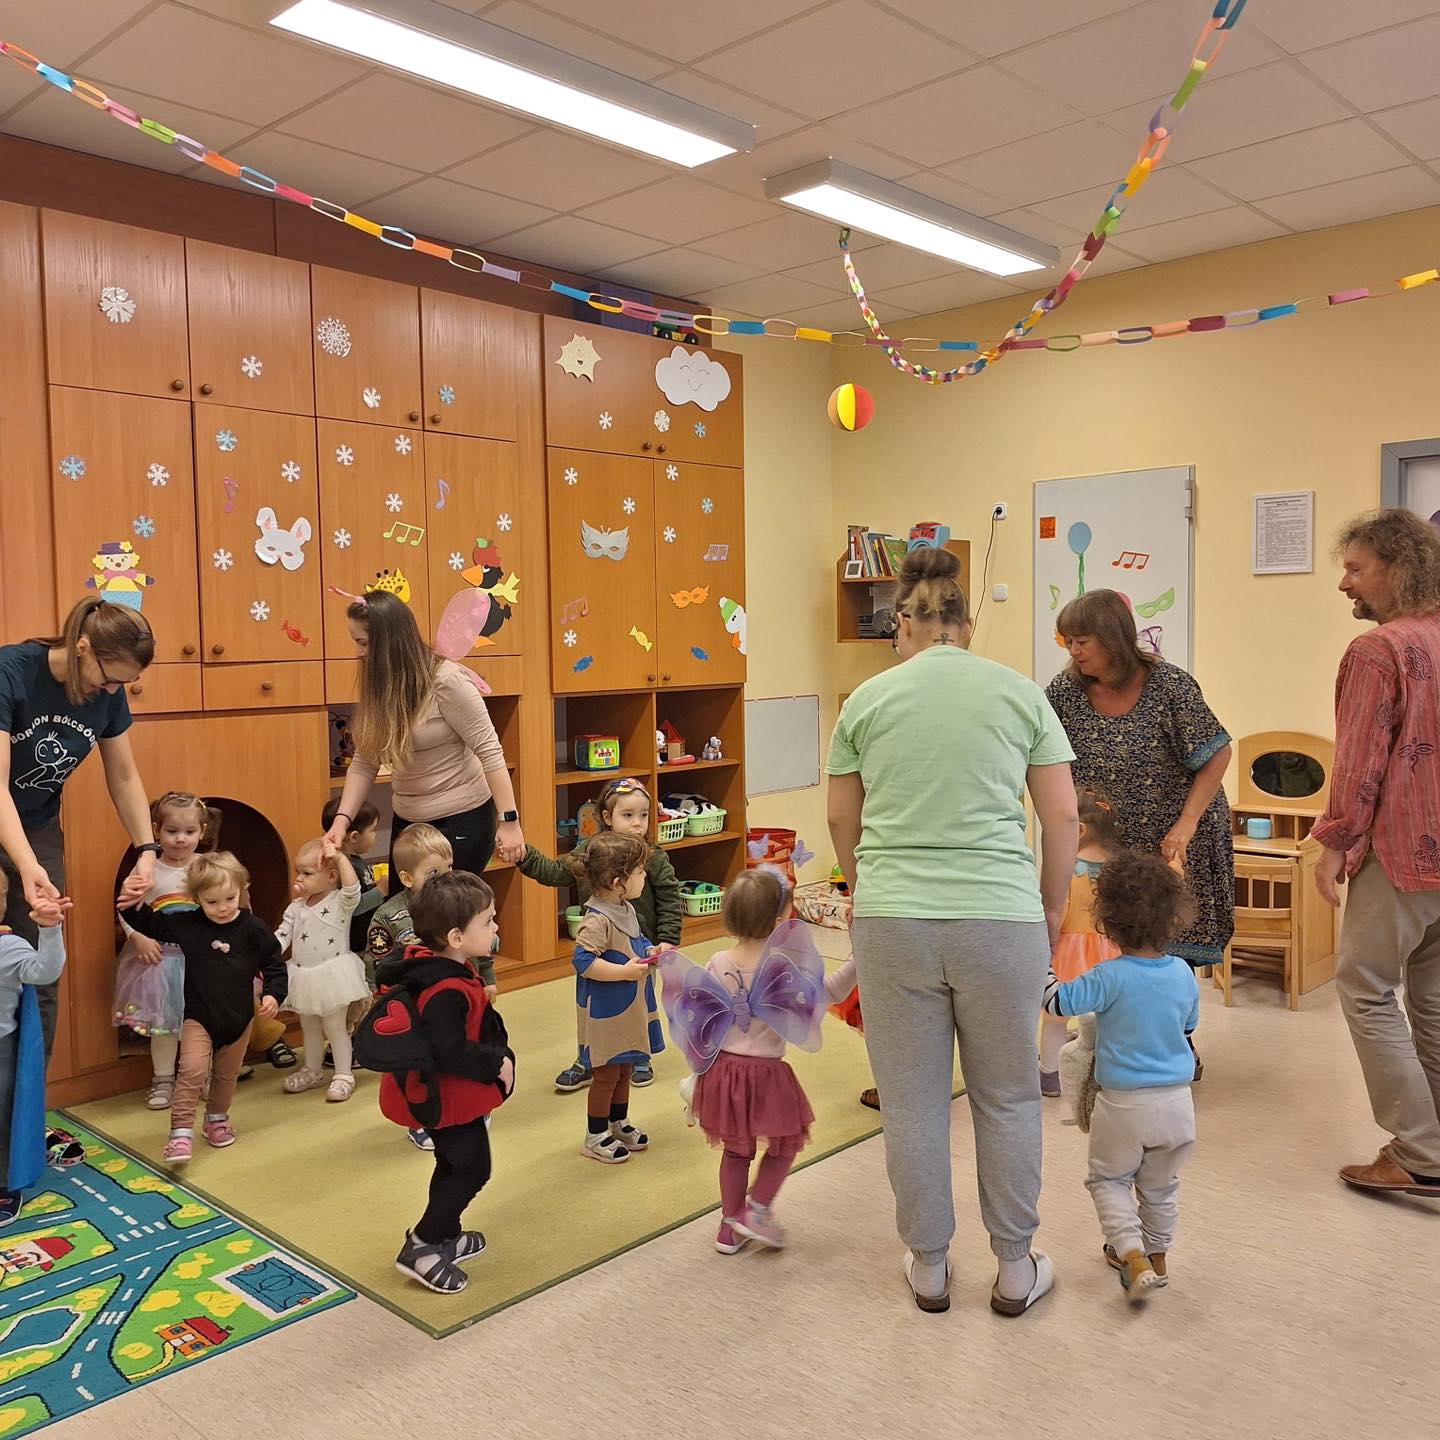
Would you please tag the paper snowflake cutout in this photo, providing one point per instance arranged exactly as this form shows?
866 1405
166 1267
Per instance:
572 475
672 472
341 539
371 396
344 454
606 419
72 467
290 471
143 526
699 429
117 306
393 502
578 357
447 394
570 638
503 522
707 505
222 559
226 440
253 367
669 534
333 336
662 420
403 444
628 505
259 611
457 560
158 475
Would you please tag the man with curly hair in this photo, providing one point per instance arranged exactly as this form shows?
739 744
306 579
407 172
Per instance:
1381 832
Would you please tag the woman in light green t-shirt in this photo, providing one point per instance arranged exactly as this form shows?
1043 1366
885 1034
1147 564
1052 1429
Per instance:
953 928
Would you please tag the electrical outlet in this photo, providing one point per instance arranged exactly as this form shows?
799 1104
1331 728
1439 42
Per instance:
1001 511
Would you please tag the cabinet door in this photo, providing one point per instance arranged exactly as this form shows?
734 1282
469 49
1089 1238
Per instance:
688 417
602 572
700 574
115 307
249 329
367 348
468 359
372 521
259 552
472 505
124 500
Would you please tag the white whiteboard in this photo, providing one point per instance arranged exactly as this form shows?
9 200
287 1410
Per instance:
1129 532
782 744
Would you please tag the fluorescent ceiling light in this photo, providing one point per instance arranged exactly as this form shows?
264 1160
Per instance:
852 197
451 48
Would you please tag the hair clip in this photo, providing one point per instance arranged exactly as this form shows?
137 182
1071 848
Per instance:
358 599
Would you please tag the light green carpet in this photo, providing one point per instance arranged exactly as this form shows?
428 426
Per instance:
340 1184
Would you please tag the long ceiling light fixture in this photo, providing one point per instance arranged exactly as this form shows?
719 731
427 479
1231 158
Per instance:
853 197
450 48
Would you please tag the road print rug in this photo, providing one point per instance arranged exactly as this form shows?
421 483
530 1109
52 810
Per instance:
114 1275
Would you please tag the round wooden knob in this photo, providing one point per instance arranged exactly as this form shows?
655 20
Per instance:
187 649
661 449
664 677
177 384
207 389
267 684
137 689
645 445
414 414
217 649
434 419
650 678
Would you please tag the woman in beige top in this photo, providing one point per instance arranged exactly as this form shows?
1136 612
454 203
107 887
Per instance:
424 717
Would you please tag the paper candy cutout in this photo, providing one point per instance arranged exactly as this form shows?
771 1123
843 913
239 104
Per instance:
641 639
284 546
293 632
604 544
688 376
579 357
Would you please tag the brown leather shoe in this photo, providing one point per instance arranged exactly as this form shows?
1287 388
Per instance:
870 1098
1385 1175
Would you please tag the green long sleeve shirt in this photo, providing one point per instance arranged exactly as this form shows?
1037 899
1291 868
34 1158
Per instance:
658 904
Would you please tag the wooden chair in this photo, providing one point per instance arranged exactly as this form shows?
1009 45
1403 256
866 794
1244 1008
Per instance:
1265 905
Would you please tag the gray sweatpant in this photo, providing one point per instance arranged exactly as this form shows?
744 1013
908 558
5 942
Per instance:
1139 1139
924 985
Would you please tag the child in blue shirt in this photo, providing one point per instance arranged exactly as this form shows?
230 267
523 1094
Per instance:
1146 1005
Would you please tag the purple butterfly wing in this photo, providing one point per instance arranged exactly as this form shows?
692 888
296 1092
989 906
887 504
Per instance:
700 1008
788 992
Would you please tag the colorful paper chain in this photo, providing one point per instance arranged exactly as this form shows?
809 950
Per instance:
1221 22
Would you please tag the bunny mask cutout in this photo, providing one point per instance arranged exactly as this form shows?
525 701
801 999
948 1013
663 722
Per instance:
282 545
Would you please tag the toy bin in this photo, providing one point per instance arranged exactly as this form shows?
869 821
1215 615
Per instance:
597 752
573 916
771 846
667 832
707 822
699 897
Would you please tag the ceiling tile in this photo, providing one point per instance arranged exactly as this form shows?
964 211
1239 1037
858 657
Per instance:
60 34
976 110
788 240
557 170
1387 68
573 244
747 173
993 26
335 175
766 295
1218 230
1112 259
405 123
584 40
846 54
682 273
443 210
1029 222
950 292
1416 126
1087 153
1298 162
881 268
1172 194
1304 24
1125 58
841 315
679 210
198 61
1408 188
770 121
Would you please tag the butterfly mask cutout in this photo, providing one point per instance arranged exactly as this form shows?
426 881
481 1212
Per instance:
604 544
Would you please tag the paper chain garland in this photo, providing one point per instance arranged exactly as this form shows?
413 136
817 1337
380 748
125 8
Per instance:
1221 22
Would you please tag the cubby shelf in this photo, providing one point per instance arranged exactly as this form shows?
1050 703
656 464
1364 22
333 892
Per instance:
717 839
598 778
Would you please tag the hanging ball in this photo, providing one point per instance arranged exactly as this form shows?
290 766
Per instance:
850 407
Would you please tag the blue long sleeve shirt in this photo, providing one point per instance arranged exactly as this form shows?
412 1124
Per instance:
22 965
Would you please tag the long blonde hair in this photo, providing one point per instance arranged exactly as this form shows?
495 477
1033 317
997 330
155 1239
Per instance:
115 632
397 678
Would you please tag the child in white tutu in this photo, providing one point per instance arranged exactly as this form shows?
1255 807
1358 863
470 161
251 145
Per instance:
326 975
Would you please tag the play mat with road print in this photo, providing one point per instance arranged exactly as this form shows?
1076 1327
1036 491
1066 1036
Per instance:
114 1275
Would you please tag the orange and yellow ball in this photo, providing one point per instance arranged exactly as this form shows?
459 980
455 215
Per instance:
850 407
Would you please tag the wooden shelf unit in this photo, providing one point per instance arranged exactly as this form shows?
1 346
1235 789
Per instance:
854 598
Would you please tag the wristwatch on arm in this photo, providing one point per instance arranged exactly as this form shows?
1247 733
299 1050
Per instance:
509 817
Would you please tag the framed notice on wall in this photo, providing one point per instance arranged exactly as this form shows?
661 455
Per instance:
1282 535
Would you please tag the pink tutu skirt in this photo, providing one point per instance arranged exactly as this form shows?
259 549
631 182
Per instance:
742 1099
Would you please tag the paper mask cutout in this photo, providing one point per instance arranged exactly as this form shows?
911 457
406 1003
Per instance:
282 545
604 544
578 357
733 614
688 376
698 596
1151 608
118 576
392 580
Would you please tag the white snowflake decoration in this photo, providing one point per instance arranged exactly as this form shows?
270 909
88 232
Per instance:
570 638
158 475
393 502
72 467
259 611
447 394
403 445
344 454
672 472
118 307
143 526
628 505
606 419
226 440
572 476
222 559
333 336
662 420
503 522
253 367
700 429
669 534
290 471
371 396
707 505
341 539
457 560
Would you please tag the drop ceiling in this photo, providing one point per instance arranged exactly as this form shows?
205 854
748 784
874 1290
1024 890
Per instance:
1025 111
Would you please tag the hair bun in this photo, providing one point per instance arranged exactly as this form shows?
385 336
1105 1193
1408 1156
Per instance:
927 562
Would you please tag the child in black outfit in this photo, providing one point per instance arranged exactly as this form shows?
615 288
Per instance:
226 947
359 842
470 1068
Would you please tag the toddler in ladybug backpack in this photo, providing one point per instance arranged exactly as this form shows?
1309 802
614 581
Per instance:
445 1064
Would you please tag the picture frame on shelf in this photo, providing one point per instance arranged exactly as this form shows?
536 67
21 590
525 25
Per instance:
854 569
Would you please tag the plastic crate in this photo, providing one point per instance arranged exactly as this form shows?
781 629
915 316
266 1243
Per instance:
573 916
669 831
710 902
707 822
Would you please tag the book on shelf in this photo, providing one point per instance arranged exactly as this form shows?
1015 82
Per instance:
880 555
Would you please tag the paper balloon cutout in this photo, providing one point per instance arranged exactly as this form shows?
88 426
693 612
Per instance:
850 407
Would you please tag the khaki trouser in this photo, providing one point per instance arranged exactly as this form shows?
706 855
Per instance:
1139 1139
1390 939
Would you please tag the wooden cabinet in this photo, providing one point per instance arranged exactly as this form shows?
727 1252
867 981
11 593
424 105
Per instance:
124 504
166 690
264 687
258 501
373 520
366 344
626 394
114 307
249 329
475 520
701 628
602 572
468 350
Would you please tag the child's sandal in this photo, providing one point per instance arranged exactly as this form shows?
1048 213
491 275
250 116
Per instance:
440 1274
630 1137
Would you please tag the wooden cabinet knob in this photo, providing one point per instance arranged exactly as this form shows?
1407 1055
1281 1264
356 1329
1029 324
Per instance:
207 389
414 414
187 649
645 445
137 689
650 678
664 677
661 449
177 385
267 684
434 419
217 649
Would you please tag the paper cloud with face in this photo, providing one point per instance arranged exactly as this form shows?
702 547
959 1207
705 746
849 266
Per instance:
604 544
687 376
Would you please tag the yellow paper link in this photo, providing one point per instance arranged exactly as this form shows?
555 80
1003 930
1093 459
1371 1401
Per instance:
361 223
806 333
1167 328
1421 277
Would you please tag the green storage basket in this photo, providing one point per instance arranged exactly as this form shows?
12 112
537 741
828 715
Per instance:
573 916
669 831
700 898
707 822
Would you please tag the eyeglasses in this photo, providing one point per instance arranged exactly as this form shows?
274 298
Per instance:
105 679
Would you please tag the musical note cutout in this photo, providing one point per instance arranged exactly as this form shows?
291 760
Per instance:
444 487
717 552
1054 596
1133 559
232 493
405 532
573 610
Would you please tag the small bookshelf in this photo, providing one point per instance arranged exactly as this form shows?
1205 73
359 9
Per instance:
860 597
